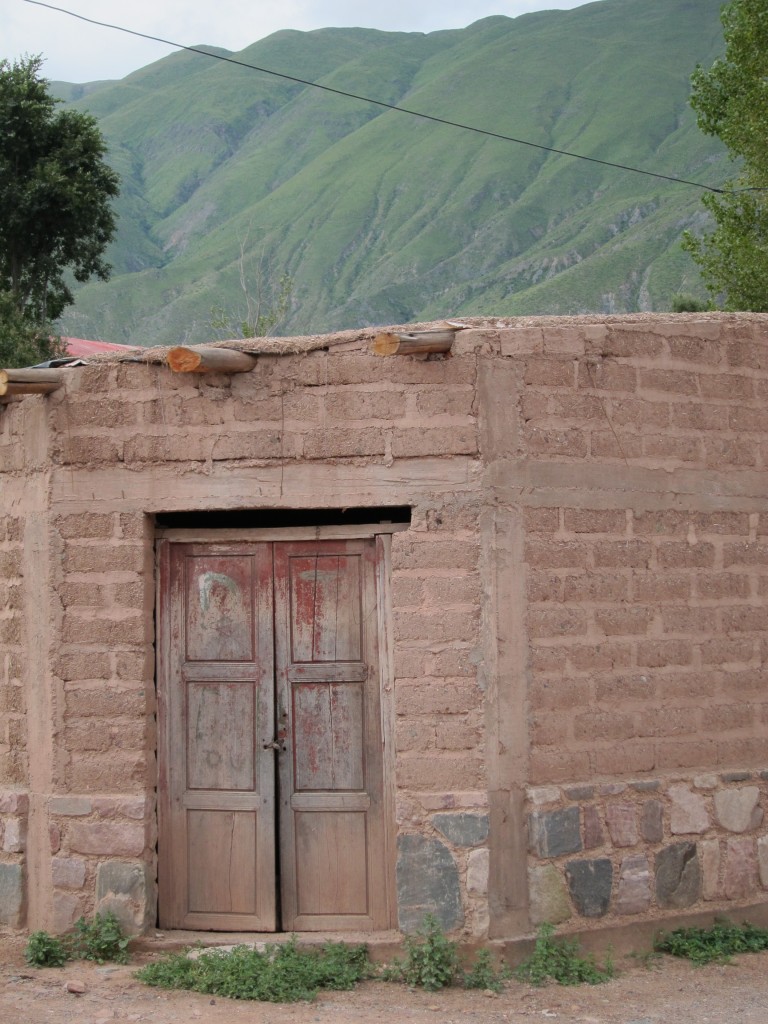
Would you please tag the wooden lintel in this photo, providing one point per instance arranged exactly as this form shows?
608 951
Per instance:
422 343
198 359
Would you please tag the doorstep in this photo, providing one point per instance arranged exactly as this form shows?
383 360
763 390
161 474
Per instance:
381 945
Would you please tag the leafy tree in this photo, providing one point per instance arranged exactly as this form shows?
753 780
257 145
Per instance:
55 212
23 342
731 100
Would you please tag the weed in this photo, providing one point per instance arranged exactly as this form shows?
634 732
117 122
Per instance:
649 958
483 974
430 961
560 960
44 950
718 943
101 939
281 974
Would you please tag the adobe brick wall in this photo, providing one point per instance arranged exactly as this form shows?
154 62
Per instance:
637 451
578 624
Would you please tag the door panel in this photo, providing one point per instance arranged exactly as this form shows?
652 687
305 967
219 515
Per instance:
216 721
331 852
243 625
219 622
215 710
325 598
328 717
224 844
333 857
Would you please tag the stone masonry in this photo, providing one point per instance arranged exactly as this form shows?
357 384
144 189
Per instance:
641 847
578 638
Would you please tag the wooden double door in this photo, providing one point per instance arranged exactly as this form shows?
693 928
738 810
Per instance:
270 737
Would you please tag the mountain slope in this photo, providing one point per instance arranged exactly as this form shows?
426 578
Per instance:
381 217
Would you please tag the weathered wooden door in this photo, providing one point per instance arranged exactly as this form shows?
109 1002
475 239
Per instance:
270 737
331 816
216 717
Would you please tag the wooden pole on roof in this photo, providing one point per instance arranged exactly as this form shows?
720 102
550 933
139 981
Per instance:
414 344
31 381
199 359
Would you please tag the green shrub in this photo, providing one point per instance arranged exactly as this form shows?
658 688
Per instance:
483 974
430 961
44 950
281 974
100 939
560 960
718 943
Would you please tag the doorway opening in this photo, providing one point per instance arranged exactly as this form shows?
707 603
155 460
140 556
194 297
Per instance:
283 518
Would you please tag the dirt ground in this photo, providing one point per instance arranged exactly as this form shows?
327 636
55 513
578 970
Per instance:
669 991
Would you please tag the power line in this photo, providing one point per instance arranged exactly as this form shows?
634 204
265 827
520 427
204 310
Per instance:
392 106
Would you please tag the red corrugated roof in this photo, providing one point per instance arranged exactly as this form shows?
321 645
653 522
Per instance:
83 347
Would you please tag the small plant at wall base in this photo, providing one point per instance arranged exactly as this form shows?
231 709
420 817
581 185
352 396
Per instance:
716 944
560 961
484 975
101 940
430 961
44 950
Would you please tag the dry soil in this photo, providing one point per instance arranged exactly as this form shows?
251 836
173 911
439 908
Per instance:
670 991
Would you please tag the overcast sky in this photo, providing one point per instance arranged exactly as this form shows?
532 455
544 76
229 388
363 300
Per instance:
75 51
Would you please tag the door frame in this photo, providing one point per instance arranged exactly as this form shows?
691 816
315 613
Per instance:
381 533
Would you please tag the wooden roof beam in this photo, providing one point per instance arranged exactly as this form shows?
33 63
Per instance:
199 359
422 343
30 381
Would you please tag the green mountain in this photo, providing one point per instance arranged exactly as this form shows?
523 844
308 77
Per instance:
382 217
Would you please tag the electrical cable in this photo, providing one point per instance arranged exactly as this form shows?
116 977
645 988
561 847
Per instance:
392 106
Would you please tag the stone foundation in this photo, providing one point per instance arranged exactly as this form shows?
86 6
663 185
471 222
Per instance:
648 847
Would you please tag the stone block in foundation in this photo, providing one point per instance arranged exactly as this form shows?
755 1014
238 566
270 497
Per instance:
622 823
737 809
463 829
548 896
68 872
427 883
678 876
652 821
590 882
634 896
477 871
121 887
689 811
11 895
710 866
741 868
554 833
